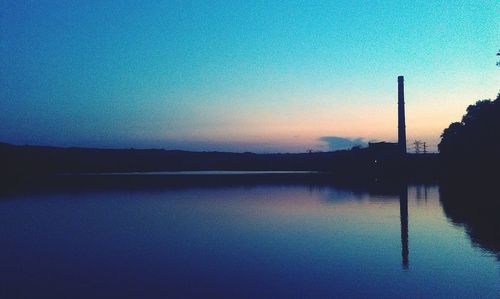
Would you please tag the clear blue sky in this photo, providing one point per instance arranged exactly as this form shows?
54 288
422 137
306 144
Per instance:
263 76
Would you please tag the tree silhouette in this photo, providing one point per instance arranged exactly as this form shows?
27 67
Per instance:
474 142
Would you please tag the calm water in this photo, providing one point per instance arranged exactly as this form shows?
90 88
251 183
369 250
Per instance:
245 241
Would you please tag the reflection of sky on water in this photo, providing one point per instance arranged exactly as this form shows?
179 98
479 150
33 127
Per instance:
252 241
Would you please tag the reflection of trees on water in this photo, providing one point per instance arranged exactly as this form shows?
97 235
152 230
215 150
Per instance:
477 209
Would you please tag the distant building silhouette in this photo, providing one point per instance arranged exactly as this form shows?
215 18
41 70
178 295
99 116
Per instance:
383 147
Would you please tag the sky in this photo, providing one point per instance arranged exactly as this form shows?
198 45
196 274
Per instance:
260 76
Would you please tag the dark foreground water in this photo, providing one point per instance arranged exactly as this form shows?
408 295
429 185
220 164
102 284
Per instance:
247 241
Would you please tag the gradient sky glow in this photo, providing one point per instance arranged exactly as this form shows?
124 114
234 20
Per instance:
262 76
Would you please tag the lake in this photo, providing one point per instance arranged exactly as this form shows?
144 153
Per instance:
247 239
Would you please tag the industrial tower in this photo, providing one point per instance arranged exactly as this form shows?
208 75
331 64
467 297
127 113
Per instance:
401 116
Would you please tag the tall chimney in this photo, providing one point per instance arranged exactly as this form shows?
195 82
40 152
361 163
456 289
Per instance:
401 116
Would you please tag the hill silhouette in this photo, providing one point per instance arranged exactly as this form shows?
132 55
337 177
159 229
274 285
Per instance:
359 162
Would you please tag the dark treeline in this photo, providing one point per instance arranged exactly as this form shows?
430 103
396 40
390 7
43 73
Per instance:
470 160
372 162
471 147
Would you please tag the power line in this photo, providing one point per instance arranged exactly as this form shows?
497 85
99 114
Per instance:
416 145
420 147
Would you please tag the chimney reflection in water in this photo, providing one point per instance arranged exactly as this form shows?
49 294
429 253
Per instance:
403 214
